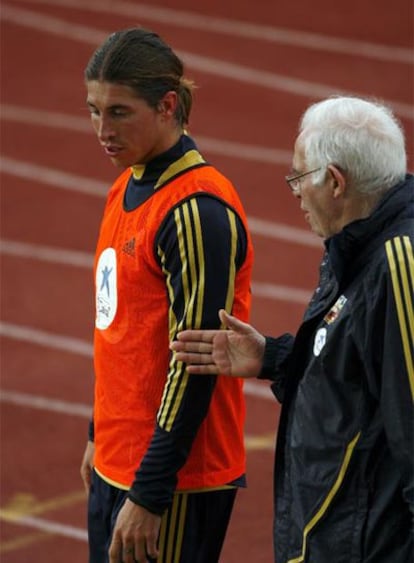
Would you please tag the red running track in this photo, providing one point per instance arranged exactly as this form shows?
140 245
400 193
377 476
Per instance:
257 67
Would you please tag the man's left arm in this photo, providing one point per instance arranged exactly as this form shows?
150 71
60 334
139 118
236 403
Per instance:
200 248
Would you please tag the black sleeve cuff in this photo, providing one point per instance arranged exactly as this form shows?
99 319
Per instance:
135 498
156 478
275 362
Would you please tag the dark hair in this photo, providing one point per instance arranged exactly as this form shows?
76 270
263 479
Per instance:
140 59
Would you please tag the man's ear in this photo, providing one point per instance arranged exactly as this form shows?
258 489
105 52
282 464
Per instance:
168 104
338 180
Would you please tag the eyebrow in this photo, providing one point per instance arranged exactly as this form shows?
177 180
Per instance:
110 108
294 171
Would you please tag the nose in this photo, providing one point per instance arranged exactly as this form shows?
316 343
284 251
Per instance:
104 128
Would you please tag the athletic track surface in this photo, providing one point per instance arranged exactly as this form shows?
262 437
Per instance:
257 65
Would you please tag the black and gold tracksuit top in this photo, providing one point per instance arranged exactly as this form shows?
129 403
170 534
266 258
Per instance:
344 469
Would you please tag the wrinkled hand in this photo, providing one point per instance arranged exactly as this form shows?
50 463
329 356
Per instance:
87 465
237 351
135 535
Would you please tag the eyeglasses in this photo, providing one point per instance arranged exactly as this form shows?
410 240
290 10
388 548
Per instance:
294 182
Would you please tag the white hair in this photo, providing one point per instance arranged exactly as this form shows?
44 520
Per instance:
362 137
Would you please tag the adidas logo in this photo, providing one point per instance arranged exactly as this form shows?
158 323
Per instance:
129 247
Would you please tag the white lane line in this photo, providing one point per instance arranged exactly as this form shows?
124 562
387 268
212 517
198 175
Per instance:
281 293
279 82
43 118
46 339
84 260
209 65
45 404
51 254
45 525
280 231
53 177
242 29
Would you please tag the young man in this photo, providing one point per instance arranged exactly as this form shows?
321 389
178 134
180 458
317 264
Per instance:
165 454
344 465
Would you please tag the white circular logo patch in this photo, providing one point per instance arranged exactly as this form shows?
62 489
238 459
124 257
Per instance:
320 339
106 289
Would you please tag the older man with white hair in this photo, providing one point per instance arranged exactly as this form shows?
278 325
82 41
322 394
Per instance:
344 465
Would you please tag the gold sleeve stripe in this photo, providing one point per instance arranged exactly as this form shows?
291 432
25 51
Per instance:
174 366
400 260
192 258
176 369
177 378
184 258
326 503
172 320
201 264
178 381
232 265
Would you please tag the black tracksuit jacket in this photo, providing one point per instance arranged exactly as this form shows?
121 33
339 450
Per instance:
344 467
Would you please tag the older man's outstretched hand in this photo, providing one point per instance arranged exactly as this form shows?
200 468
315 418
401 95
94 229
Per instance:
237 351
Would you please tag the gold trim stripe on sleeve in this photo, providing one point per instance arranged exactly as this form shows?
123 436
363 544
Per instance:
201 263
329 498
174 365
189 260
175 374
190 243
188 257
181 232
401 266
232 265
172 320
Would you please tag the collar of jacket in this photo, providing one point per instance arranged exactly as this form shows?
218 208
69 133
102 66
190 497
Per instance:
345 247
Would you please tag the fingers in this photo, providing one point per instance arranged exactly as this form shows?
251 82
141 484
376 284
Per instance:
135 535
194 352
193 358
205 336
86 478
86 475
205 369
130 553
225 318
152 547
115 551
191 346
197 363
124 553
